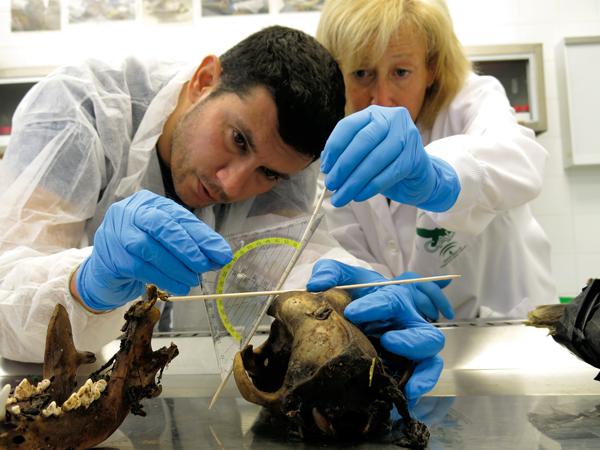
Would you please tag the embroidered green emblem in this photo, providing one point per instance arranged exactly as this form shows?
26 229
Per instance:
437 236
440 240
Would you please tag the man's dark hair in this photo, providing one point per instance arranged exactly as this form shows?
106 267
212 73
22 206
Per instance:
305 81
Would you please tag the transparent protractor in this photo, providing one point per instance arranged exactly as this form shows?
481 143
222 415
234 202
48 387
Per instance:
249 270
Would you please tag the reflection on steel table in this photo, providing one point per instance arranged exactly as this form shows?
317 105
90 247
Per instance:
465 422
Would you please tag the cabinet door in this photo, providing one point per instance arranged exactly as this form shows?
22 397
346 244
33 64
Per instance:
520 69
578 62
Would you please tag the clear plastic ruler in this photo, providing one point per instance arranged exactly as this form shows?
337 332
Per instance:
260 259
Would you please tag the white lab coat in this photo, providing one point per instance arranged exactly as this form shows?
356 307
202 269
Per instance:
82 139
489 236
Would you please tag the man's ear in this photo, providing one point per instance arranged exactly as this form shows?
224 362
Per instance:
207 76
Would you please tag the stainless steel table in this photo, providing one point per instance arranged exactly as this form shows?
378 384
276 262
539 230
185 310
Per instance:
504 386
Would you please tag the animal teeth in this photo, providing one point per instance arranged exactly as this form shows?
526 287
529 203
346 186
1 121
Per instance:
85 396
367 426
42 386
24 390
322 422
85 393
52 410
72 402
4 400
101 384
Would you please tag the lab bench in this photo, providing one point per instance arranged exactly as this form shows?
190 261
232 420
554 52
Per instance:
504 385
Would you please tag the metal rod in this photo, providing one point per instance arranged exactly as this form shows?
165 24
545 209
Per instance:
206 297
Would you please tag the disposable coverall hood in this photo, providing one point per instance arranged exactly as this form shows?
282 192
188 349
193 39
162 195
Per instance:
83 138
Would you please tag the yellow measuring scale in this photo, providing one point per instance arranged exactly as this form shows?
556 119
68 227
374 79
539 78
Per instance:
227 270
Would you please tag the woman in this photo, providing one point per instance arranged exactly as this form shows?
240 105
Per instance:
430 171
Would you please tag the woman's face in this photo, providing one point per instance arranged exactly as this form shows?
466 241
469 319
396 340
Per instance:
400 78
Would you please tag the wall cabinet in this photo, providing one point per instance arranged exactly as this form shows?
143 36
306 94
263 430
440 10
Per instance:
520 69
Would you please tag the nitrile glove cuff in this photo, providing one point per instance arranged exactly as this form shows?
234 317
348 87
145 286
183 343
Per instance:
446 187
88 286
86 298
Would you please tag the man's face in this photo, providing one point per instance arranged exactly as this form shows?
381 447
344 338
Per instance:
227 148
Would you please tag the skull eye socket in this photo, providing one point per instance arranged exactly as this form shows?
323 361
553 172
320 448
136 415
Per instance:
267 365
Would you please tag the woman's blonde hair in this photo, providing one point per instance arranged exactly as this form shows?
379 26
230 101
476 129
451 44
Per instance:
357 32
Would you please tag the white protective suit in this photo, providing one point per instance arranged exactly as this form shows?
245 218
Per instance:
84 138
489 236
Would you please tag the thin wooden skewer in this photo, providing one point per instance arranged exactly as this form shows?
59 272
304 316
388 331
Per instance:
285 291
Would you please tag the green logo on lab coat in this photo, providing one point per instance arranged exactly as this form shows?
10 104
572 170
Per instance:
440 240
437 237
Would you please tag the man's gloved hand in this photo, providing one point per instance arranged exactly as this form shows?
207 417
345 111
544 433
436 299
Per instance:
427 298
378 150
388 312
146 238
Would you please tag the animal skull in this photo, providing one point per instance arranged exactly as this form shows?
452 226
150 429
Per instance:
321 374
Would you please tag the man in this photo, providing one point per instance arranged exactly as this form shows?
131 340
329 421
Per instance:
95 151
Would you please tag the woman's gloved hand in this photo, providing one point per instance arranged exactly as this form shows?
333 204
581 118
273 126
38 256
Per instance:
404 332
389 312
146 238
427 298
378 150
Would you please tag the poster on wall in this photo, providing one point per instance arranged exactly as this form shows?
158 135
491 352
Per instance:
35 15
81 11
231 7
301 5
163 11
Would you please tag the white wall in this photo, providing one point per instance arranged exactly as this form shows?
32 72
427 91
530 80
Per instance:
569 206
114 40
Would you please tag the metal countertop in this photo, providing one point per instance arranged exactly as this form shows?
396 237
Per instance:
504 385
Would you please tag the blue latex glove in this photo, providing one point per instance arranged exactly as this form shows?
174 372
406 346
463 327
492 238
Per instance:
389 313
146 238
427 298
379 151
